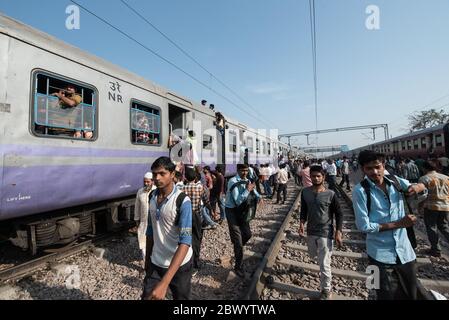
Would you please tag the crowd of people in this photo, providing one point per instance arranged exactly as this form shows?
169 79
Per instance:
177 203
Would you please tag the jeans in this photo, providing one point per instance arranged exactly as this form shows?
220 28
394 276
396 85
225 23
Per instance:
197 237
320 248
282 187
205 213
345 179
396 281
214 200
180 284
240 233
267 188
434 221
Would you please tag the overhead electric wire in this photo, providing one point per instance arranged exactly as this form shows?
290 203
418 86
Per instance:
167 61
428 105
314 59
187 54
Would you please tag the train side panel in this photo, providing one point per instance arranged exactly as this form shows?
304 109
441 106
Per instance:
47 173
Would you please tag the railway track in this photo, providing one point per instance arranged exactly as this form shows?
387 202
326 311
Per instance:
51 256
287 272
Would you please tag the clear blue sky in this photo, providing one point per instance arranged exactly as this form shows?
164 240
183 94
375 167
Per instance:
262 49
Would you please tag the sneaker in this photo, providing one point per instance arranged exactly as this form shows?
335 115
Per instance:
325 295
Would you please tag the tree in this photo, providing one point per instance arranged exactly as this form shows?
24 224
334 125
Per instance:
426 119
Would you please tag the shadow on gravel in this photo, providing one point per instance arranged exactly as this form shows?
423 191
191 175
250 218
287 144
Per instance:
133 281
40 291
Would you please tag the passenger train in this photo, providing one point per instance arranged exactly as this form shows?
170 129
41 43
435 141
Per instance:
430 142
87 162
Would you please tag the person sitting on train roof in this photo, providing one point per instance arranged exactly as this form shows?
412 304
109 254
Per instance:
203 102
68 98
220 122
212 107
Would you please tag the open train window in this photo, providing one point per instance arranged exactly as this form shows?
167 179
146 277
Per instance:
415 144
269 148
403 145
438 140
409 144
264 147
145 124
232 142
207 142
63 108
250 144
423 143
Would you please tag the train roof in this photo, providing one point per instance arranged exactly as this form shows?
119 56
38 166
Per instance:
34 37
412 134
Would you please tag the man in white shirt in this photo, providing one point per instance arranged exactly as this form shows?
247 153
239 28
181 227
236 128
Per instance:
282 179
345 174
331 171
141 210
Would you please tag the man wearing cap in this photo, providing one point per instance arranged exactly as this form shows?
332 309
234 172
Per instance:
141 210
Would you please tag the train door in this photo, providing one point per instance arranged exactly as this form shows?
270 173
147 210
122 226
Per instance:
176 119
177 123
446 139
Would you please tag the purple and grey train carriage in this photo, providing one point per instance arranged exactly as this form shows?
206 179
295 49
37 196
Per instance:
86 163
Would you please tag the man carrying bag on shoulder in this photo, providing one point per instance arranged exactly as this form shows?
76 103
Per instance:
380 213
241 205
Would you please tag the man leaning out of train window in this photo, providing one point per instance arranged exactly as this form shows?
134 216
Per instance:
68 98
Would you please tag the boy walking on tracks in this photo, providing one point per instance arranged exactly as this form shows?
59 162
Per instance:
319 206
169 237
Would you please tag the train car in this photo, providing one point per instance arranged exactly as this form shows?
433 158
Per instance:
87 162
430 142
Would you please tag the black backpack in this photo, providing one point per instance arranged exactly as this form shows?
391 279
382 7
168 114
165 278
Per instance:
395 182
247 209
179 201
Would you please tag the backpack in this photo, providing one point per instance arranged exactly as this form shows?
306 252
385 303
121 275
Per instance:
247 209
395 182
179 201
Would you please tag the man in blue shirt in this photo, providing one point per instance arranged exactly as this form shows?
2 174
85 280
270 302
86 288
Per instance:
239 229
385 222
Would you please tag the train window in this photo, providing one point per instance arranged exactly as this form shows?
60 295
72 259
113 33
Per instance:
423 143
269 148
403 145
415 144
250 144
207 142
409 144
439 140
264 147
145 124
257 146
63 108
232 142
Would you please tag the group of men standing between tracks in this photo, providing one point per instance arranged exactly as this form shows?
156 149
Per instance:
173 235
